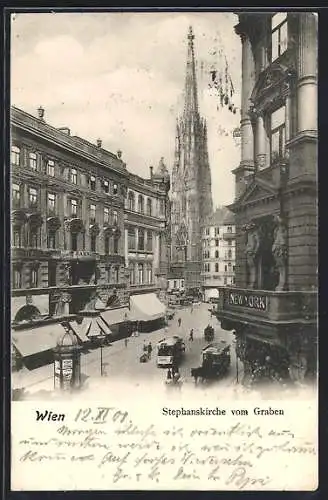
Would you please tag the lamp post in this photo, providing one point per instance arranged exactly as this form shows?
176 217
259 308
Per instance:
101 338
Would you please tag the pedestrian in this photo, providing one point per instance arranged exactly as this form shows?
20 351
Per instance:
191 335
169 374
126 342
150 349
191 309
179 322
145 348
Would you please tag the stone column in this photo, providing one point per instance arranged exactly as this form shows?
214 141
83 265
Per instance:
307 72
261 143
248 80
126 247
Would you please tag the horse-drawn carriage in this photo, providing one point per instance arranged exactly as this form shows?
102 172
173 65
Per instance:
209 333
215 362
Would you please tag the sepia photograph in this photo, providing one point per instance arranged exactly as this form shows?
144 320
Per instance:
164 243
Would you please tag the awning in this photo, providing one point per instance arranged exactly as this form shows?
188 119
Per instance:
115 316
146 307
39 339
90 327
213 293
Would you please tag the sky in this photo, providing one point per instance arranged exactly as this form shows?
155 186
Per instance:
120 77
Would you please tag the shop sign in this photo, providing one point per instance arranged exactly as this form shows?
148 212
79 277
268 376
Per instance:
249 300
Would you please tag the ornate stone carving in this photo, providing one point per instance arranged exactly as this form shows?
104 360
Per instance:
253 239
261 161
66 298
280 251
67 274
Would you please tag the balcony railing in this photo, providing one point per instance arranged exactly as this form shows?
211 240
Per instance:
79 255
275 307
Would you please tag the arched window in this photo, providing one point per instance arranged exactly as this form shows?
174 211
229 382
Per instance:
131 201
140 274
216 267
115 245
141 240
149 241
32 160
115 217
132 276
149 206
140 204
149 274
131 238
216 254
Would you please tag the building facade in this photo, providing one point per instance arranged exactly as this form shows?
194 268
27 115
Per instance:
72 214
273 306
191 197
218 239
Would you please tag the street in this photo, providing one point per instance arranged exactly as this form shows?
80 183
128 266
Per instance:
121 363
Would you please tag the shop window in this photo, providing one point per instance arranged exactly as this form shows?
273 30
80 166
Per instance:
279 35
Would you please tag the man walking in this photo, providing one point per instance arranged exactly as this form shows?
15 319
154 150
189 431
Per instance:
191 335
179 322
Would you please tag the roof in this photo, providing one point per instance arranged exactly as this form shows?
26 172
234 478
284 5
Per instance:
222 216
171 340
216 346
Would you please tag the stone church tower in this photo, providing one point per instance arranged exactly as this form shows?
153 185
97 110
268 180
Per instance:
191 195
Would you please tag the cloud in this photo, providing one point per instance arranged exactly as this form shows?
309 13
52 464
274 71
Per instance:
120 77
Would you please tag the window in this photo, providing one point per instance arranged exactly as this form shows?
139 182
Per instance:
161 207
106 245
225 281
140 204
115 189
106 186
93 183
149 274
149 241
73 208
229 229
279 35
140 273
92 214
51 168
229 243
17 278
225 269
17 238
16 195
93 242
131 274
34 278
32 161
51 239
175 284
207 231
74 242
33 238
73 176
116 274
277 134
141 239
33 197
131 238
229 254
15 155
216 267
216 254
149 207
131 201
216 242
106 215
51 203
233 268
182 283
115 247
115 218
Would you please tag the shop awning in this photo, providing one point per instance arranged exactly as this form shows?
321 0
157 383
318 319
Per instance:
90 327
34 340
146 307
115 316
213 293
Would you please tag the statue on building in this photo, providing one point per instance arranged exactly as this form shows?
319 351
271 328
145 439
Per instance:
280 251
251 252
67 274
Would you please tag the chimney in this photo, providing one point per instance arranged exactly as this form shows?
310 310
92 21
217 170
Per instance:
119 154
99 143
41 112
65 130
151 172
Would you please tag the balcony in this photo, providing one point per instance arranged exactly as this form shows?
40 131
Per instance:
228 236
262 306
143 288
34 253
80 255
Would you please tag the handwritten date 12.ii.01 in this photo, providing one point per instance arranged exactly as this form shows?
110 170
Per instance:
100 415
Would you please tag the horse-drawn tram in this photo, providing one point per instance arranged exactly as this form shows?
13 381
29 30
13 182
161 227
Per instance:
209 333
215 359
